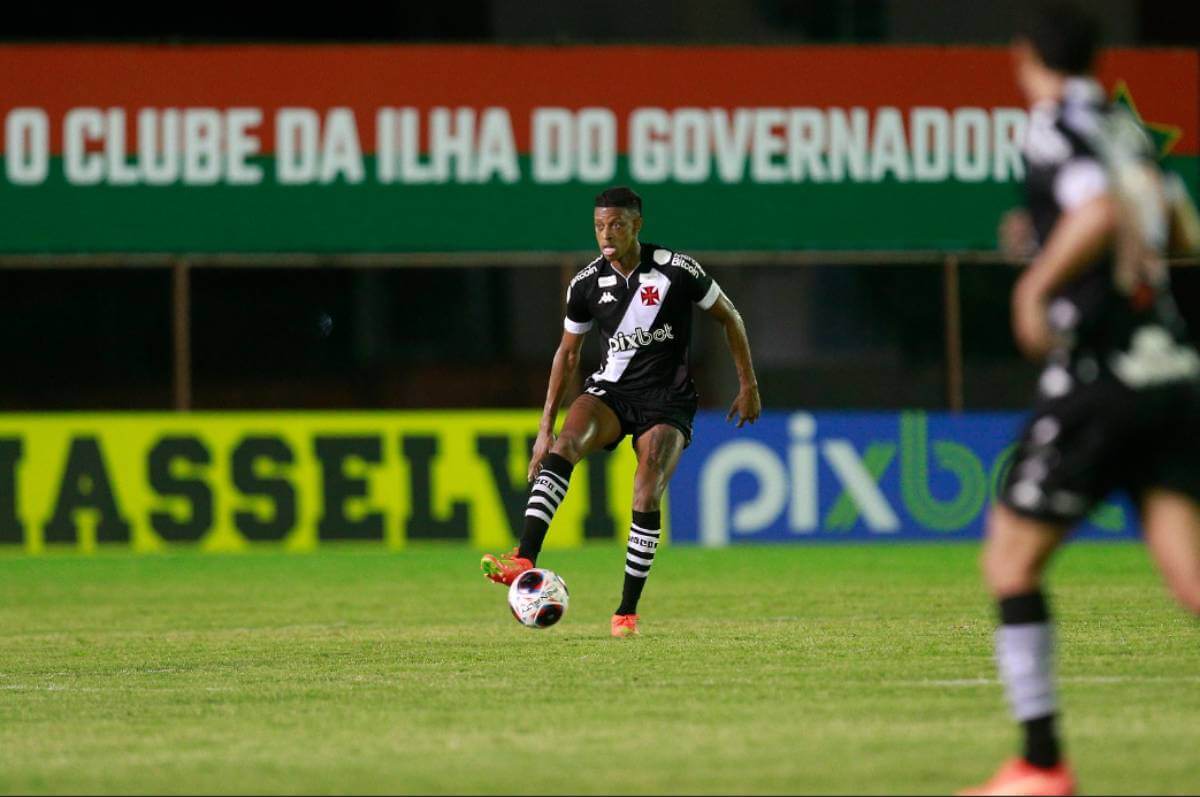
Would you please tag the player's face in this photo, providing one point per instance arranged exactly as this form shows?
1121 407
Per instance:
616 231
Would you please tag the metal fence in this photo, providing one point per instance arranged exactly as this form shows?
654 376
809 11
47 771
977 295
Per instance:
952 266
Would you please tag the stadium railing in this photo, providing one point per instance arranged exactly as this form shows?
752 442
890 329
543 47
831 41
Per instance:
181 266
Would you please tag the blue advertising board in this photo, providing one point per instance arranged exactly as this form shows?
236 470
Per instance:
852 477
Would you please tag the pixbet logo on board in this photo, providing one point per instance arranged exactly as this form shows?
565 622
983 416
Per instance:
850 476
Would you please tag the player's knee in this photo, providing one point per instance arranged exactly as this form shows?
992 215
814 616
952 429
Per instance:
1008 573
569 447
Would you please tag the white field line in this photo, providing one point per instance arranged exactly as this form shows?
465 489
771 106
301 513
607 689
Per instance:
60 688
1067 679
932 683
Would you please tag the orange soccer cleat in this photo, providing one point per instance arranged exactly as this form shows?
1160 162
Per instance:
504 568
1020 777
624 625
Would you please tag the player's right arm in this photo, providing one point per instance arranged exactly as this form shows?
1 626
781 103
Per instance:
566 362
1077 239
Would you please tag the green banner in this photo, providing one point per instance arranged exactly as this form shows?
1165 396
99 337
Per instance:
486 149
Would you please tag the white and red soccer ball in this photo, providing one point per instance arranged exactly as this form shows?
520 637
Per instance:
538 598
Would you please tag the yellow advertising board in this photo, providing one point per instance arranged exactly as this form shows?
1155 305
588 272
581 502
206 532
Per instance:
226 481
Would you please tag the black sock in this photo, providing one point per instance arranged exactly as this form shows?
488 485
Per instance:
1041 742
644 534
548 491
1024 652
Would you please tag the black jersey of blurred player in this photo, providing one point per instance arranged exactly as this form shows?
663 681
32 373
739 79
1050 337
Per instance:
645 320
1115 318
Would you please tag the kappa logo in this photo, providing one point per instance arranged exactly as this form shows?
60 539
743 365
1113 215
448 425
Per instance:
607 297
649 295
639 338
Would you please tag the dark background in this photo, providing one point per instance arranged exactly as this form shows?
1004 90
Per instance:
345 337
1132 22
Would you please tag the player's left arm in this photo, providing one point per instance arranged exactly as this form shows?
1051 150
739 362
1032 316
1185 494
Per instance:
747 406
1078 238
1184 219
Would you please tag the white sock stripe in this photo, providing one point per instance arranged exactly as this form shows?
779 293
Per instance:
641 541
552 494
550 488
533 512
636 573
546 497
1024 655
561 481
631 558
553 507
647 532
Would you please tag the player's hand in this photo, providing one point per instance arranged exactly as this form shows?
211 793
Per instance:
541 447
1031 327
746 407
1016 235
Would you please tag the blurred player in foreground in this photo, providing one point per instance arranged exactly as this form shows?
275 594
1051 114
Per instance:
1119 396
641 296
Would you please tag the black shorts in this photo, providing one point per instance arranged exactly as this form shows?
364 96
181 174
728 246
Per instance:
1075 450
640 412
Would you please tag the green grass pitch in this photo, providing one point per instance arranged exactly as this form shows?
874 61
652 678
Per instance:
760 669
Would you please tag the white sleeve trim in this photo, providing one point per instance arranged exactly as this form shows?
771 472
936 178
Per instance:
1078 182
576 328
710 298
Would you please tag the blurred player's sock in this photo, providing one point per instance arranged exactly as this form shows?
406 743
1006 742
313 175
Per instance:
1024 653
643 542
548 491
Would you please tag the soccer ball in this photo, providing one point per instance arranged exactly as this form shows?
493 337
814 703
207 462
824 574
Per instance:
538 598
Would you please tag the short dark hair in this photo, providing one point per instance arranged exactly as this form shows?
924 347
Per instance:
1064 35
619 196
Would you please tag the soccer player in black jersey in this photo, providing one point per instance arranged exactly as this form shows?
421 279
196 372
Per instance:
1119 393
640 296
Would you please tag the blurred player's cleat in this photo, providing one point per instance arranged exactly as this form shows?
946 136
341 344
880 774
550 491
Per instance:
624 625
1018 776
504 568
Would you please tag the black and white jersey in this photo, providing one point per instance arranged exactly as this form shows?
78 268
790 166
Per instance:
1117 316
645 319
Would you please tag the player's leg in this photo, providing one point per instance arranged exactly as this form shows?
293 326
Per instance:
1015 554
658 452
1171 525
590 424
